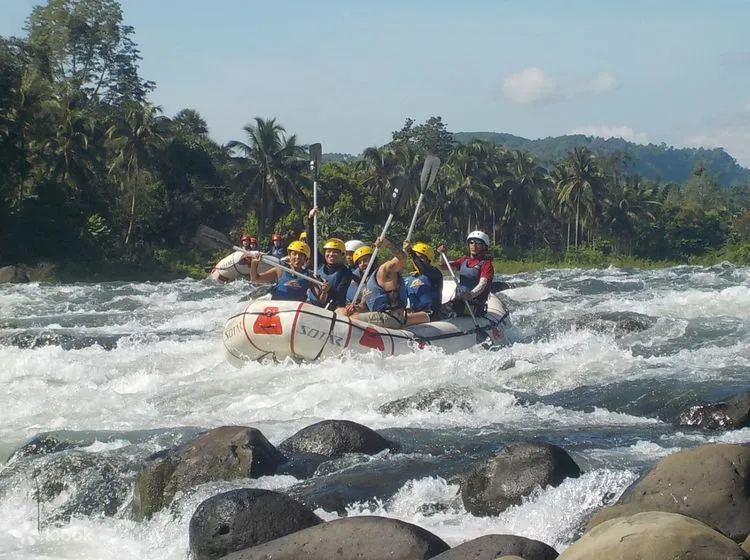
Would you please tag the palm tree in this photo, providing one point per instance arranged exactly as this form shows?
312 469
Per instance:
378 167
135 138
189 122
522 187
270 168
629 207
470 184
580 186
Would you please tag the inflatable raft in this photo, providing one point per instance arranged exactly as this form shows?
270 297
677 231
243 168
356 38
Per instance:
276 330
234 266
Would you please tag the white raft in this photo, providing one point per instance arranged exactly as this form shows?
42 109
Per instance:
275 330
232 267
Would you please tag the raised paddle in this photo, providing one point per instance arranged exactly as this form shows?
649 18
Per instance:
453 275
316 153
429 171
399 194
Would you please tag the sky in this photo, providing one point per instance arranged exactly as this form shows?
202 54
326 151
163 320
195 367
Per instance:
348 73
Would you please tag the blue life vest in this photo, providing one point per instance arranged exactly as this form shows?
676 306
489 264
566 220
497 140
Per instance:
419 291
335 277
468 277
278 252
353 285
291 287
379 299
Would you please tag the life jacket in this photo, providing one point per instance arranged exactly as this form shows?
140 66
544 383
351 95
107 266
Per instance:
378 299
335 278
291 287
468 278
278 252
419 292
354 284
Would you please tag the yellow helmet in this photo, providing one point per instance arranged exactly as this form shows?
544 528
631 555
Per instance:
361 252
303 236
424 249
300 247
335 243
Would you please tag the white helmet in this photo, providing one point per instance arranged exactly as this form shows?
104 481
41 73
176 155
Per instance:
480 235
353 244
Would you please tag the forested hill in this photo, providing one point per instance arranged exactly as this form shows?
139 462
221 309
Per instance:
650 161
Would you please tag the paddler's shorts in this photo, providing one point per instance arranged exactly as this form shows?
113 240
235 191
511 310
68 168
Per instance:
393 319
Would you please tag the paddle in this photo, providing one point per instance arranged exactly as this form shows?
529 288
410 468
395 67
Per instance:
399 194
471 312
316 153
270 261
429 171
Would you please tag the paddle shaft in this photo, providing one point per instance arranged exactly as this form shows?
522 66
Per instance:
414 217
366 275
453 275
282 267
315 226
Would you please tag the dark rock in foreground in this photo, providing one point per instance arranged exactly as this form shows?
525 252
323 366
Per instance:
490 547
653 535
732 414
333 438
363 538
709 483
243 518
505 478
224 453
14 275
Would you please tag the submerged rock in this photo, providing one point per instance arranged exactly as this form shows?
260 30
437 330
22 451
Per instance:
439 400
41 444
618 322
505 478
732 414
708 483
239 519
362 537
14 274
224 453
334 438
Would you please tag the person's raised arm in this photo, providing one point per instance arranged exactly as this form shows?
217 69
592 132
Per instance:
270 275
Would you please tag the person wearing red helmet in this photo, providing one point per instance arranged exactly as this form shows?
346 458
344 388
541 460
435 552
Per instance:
248 242
277 248
475 274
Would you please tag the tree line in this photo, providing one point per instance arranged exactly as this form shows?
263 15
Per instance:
91 171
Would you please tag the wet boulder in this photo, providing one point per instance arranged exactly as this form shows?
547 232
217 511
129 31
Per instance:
505 478
490 547
41 444
334 438
619 323
653 535
362 537
439 400
225 453
239 519
732 414
708 483
14 275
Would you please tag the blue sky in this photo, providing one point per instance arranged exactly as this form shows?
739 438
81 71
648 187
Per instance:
348 73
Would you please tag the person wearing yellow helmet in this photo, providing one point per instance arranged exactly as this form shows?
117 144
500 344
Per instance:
424 287
475 275
288 286
332 268
383 300
361 258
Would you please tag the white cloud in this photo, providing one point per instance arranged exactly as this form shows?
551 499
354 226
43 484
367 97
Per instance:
735 139
604 131
747 106
531 86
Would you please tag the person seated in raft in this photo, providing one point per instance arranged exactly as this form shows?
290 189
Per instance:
277 248
361 259
351 246
475 274
249 243
424 286
383 299
333 270
288 286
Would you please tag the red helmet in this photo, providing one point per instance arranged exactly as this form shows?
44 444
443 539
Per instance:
277 237
245 237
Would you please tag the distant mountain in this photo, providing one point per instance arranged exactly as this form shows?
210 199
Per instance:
650 161
333 156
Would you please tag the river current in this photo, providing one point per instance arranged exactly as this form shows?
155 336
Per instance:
602 362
